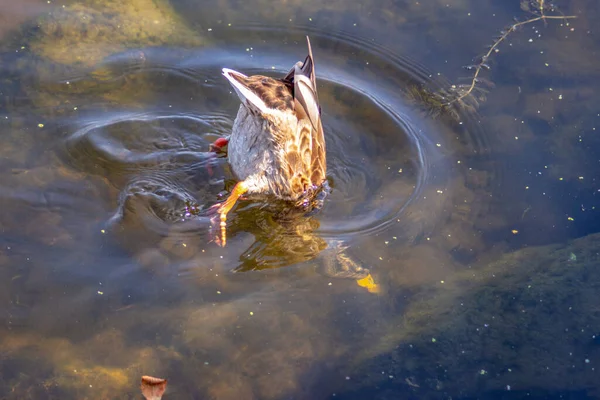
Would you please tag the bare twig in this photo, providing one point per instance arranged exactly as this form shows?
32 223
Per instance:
540 7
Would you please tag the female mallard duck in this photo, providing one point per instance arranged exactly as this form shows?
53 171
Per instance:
277 146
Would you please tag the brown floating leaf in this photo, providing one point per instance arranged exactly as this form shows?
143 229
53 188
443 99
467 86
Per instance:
153 388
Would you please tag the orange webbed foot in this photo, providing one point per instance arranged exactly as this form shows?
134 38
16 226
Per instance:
223 209
219 145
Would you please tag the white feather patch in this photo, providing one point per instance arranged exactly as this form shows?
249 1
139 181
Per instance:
243 92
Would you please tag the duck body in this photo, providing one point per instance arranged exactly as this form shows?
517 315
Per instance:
256 159
277 146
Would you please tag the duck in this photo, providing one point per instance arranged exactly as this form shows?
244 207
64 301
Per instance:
277 146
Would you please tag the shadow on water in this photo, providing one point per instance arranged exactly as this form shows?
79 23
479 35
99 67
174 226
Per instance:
107 261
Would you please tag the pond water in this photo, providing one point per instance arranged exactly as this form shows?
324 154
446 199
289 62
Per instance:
477 224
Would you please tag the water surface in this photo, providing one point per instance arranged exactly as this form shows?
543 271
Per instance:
464 217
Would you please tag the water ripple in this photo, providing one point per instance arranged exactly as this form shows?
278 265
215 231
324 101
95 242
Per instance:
386 159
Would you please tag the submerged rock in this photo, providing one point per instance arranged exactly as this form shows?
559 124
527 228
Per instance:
85 32
90 51
527 322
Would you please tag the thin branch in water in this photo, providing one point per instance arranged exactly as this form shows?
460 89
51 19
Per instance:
537 8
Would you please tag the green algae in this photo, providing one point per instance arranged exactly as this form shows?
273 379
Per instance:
82 49
86 32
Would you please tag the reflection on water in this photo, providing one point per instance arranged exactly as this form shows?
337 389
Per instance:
108 111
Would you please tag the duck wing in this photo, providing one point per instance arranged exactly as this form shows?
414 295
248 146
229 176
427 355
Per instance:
311 141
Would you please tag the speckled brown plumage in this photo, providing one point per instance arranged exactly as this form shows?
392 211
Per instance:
274 92
277 146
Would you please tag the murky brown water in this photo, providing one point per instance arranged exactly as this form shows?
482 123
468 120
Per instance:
107 111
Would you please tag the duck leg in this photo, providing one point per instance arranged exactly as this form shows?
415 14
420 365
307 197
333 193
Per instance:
218 149
239 189
219 145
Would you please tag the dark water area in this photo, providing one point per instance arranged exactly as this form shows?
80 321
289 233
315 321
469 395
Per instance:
477 227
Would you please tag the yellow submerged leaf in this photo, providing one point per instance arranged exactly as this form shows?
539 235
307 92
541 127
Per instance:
369 283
